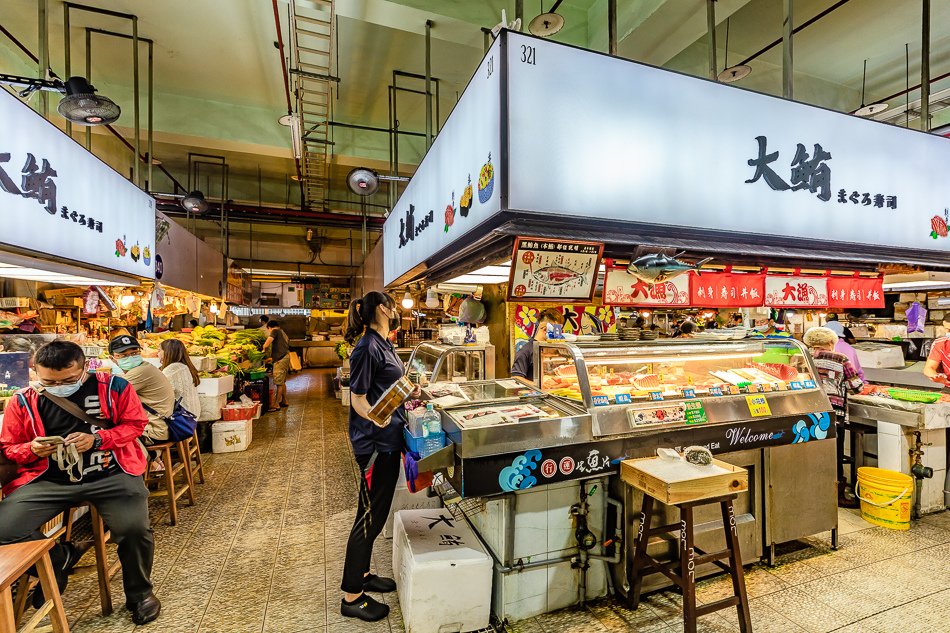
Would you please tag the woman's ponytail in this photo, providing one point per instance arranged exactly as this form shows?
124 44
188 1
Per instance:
355 324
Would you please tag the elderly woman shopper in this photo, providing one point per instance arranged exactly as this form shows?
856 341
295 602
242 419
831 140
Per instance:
838 378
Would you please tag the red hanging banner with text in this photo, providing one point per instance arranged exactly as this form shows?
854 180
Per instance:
796 292
855 292
727 290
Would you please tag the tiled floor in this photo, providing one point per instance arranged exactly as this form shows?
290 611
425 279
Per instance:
262 552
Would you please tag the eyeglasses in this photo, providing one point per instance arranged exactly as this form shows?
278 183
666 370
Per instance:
63 383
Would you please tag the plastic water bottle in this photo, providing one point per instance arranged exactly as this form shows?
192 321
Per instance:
431 422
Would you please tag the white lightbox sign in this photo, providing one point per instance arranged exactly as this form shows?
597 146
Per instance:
59 200
459 183
602 137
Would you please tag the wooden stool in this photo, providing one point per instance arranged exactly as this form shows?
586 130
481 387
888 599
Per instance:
104 571
194 458
15 559
171 490
690 558
27 583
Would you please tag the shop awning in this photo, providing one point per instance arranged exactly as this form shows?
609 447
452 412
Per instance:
16 266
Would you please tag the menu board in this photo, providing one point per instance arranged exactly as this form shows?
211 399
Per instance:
554 269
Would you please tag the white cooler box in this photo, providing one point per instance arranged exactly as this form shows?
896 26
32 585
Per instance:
880 355
443 573
231 437
216 386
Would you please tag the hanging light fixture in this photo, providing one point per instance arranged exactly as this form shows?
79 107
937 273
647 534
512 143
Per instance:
874 108
734 73
432 298
80 104
407 300
195 202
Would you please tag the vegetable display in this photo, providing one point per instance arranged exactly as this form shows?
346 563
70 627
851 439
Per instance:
233 353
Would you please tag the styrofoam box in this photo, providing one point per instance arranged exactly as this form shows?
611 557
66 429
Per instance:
439 561
211 407
204 363
216 386
880 355
231 437
403 499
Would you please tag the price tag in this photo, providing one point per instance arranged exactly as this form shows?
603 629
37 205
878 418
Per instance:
795 385
781 386
696 413
623 398
689 393
758 406
766 387
656 396
809 384
715 391
601 401
734 390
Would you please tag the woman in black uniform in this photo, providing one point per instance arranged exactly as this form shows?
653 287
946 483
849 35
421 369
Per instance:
374 367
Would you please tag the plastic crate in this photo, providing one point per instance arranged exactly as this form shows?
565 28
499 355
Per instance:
236 413
425 446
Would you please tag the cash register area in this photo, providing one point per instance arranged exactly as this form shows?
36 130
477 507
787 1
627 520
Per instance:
263 552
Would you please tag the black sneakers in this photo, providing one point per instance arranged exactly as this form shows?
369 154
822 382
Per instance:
378 584
365 608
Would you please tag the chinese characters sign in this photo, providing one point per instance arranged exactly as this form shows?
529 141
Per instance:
554 269
796 292
855 292
58 199
727 290
623 289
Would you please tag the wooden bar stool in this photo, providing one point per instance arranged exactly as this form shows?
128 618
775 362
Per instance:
172 490
15 559
194 458
688 491
104 571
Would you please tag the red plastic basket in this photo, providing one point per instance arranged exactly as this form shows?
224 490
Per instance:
234 414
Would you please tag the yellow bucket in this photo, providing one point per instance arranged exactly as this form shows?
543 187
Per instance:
886 497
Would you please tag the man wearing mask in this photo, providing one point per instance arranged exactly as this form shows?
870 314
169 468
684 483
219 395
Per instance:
153 388
73 439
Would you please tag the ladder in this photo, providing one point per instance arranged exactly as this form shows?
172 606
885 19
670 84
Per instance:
313 40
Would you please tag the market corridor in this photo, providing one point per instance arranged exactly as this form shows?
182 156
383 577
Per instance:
262 551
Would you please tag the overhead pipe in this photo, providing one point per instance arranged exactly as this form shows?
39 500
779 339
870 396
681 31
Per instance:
43 62
795 31
925 66
711 38
612 27
788 78
428 84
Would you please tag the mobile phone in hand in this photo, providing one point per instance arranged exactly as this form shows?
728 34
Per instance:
51 440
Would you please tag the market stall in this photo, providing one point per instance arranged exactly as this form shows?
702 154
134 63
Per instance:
619 190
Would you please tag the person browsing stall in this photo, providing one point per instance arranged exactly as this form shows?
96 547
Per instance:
523 365
838 378
938 361
844 347
181 373
374 368
264 321
151 385
74 438
279 346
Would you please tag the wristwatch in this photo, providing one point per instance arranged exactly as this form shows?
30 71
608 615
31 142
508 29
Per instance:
97 442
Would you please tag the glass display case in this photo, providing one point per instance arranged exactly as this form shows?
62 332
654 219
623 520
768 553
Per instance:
436 362
637 386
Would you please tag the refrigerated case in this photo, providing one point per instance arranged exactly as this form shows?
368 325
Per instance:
437 362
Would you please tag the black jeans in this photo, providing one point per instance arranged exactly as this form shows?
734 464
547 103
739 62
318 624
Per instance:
121 499
371 516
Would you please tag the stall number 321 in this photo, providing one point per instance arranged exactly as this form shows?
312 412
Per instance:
528 55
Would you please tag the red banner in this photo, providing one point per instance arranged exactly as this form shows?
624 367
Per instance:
855 292
727 290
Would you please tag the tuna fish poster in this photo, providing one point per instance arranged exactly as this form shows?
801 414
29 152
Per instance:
554 270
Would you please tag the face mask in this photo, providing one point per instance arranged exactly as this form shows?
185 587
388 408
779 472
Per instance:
129 362
394 320
64 391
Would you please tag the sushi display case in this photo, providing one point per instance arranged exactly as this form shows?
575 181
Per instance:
433 362
636 388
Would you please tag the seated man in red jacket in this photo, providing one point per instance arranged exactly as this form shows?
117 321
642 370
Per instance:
64 459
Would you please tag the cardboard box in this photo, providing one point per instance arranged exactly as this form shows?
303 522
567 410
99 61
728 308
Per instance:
9 303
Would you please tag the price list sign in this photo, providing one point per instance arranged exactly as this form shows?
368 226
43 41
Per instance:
554 270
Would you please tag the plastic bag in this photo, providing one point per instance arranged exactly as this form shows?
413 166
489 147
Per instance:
916 317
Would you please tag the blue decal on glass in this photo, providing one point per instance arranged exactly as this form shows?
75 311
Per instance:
518 476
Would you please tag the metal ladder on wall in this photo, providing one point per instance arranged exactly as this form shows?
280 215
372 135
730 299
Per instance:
313 44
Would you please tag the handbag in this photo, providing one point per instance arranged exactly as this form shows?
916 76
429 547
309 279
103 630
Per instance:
181 423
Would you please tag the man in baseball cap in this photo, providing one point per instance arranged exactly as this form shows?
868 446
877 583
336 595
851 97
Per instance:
153 388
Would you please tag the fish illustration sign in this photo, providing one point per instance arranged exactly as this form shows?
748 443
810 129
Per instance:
554 270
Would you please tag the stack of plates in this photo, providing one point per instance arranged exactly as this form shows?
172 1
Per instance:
609 336
630 334
588 338
649 335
